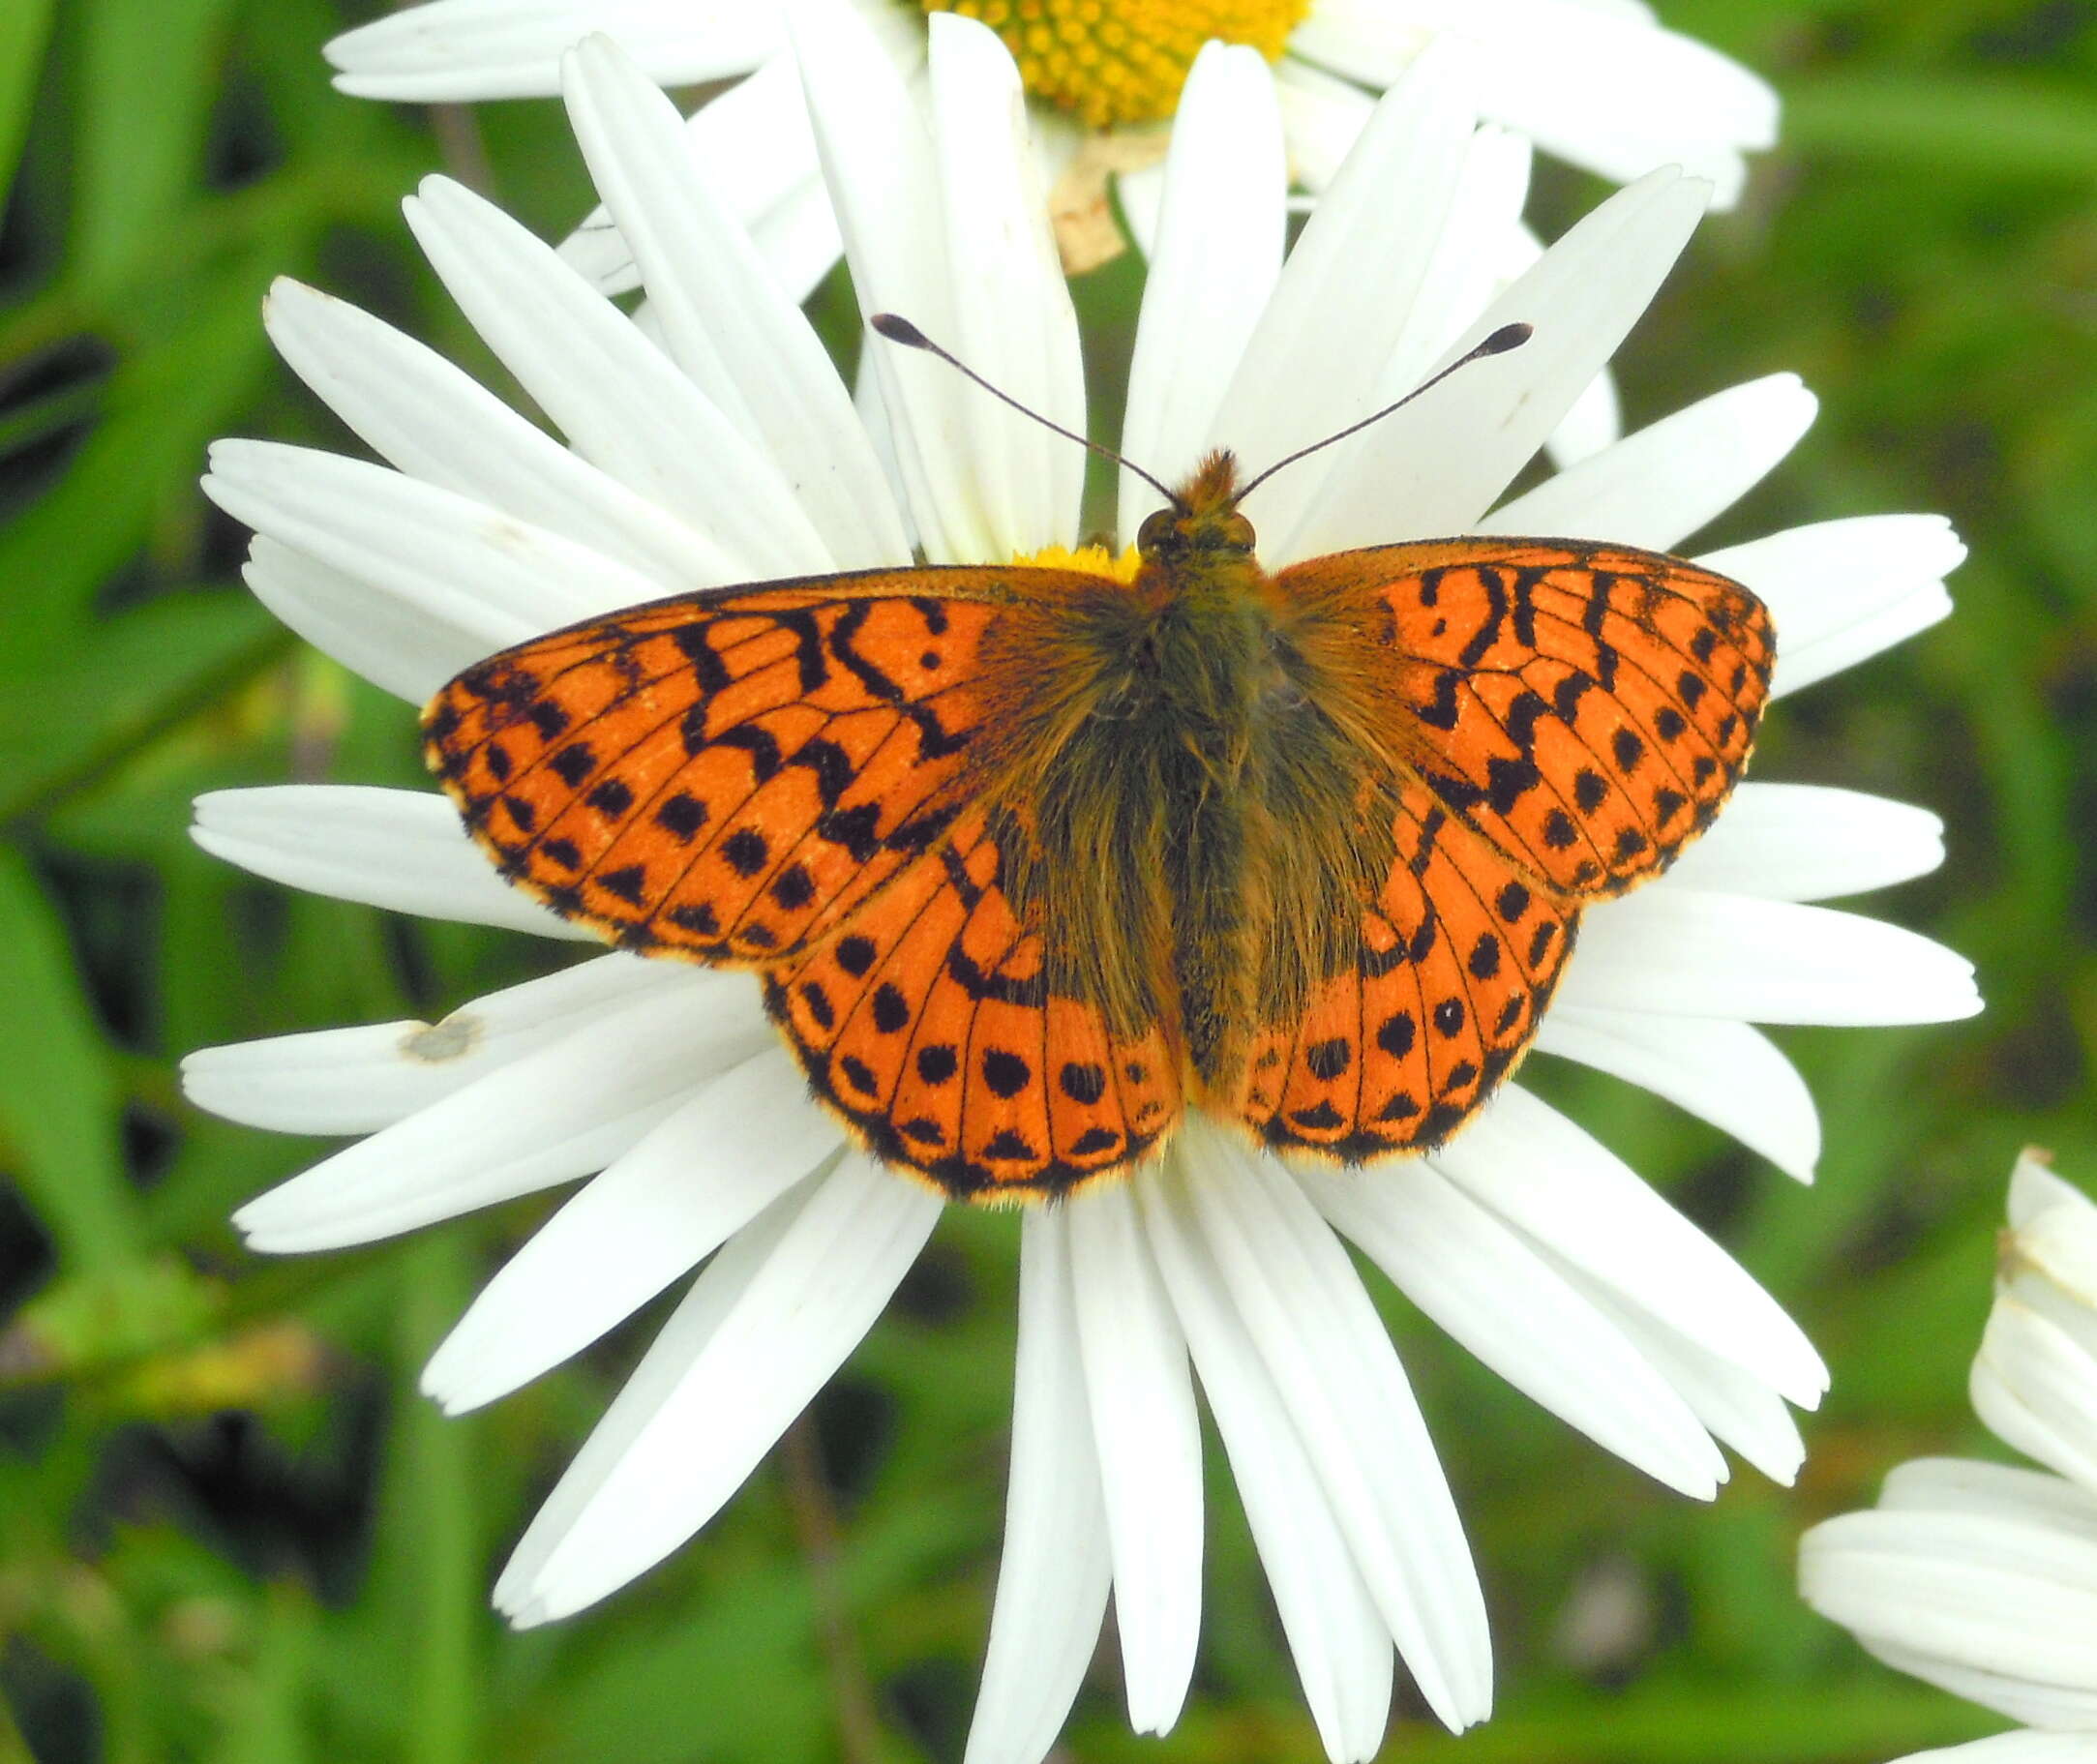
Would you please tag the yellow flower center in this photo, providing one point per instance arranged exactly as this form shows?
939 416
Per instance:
1091 559
1109 62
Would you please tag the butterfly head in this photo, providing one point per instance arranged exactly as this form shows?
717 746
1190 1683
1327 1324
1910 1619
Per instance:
1202 519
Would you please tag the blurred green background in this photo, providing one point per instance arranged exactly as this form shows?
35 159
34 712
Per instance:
229 1529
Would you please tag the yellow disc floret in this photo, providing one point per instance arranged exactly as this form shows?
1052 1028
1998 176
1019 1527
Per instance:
1110 62
1091 559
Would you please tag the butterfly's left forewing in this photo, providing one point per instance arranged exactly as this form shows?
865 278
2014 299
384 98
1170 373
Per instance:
723 776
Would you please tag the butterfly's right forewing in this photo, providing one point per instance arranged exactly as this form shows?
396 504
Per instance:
1585 708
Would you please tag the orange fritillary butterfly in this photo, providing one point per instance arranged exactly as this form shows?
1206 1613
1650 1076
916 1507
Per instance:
1029 860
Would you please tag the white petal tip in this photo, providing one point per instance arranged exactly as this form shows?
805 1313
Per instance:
451 1391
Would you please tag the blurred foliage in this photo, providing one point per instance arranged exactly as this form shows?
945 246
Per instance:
229 1529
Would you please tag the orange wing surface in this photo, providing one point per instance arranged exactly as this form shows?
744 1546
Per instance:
1561 720
776 778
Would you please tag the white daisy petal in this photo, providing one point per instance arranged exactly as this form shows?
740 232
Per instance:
2034 1187
1015 322
1726 1074
786 1325
652 1384
609 389
2001 1491
1979 1591
393 642
753 146
1339 1641
1327 1352
1978 1577
400 849
879 161
733 1147
454 563
1592 421
1807 842
1646 96
359 1080
1843 591
1324 116
462 50
435 423
2013 1695
559 1112
2036 1386
1562 1188
1213 268
800 240
1436 466
1484 1286
723 320
1738 1407
1655 488
1149 1441
1505 253
1053 1574
1471 261
1686 952
1343 297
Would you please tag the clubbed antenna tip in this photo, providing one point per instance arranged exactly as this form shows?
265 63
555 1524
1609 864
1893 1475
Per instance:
898 329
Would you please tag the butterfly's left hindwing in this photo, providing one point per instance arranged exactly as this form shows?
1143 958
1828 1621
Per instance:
928 1023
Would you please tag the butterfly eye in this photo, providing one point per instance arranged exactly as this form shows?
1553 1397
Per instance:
1159 532
1234 533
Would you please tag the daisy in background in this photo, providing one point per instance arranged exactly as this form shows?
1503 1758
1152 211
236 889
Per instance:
1597 82
1983 1577
716 445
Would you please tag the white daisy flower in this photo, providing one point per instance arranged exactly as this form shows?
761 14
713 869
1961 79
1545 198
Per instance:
1981 1577
712 443
1599 82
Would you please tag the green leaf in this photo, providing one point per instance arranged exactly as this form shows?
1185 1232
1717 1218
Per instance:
146 88
24 26
58 1089
1989 127
162 406
122 683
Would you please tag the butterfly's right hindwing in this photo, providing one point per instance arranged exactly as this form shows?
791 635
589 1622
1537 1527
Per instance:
1457 962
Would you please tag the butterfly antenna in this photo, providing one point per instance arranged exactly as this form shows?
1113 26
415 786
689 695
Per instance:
898 329
1507 337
